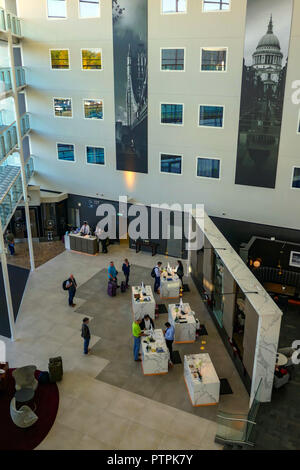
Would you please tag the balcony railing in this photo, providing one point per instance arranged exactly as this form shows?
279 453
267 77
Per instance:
8 140
12 194
10 22
20 76
5 79
25 124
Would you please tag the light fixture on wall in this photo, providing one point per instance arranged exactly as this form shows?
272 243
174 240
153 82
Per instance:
257 263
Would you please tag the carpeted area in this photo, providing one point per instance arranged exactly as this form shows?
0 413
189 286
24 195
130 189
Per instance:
18 279
46 401
112 319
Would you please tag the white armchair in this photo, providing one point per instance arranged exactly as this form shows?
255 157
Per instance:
24 417
24 377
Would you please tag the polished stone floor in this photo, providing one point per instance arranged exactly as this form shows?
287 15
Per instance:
43 252
94 413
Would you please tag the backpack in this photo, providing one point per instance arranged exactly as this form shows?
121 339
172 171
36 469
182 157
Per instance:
64 285
153 273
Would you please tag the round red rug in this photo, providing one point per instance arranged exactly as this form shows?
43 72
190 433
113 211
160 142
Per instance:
46 400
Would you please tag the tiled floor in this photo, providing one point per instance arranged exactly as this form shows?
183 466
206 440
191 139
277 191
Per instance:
94 414
43 252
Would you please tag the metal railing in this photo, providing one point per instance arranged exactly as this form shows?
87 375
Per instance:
9 22
25 124
5 79
8 140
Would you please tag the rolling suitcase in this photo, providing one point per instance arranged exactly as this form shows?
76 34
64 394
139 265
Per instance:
112 289
123 287
55 369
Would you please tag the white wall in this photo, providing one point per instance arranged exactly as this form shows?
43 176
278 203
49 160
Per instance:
192 30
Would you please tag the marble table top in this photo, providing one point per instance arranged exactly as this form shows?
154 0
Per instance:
188 314
139 290
205 365
159 342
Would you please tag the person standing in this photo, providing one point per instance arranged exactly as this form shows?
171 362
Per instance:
179 271
157 273
85 229
71 286
112 273
169 337
99 234
137 334
147 323
86 335
11 242
126 271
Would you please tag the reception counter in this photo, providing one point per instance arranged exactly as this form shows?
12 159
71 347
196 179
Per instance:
153 361
184 322
84 244
205 391
143 303
169 285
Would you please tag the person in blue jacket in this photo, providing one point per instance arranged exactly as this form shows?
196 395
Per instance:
126 271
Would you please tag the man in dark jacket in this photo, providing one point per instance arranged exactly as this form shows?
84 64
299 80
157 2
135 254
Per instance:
71 286
126 271
86 335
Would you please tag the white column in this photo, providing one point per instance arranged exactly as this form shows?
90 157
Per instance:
19 133
10 309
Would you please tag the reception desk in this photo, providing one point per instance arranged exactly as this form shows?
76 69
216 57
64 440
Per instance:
184 322
205 391
84 244
169 285
143 304
153 361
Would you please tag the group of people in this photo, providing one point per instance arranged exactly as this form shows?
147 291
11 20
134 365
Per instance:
139 328
113 273
157 273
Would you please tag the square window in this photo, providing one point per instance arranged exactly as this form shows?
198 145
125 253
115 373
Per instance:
91 59
62 107
211 116
57 8
89 8
170 164
208 168
296 178
216 5
66 152
173 6
171 114
95 155
213 59
60 59
93 109
172 59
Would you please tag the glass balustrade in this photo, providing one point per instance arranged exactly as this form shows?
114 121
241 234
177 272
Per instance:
5 209
8 140
2 19
20 76
5 79
25 124
10 22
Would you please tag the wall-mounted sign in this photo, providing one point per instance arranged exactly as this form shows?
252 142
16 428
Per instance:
130 31
295 259
268 27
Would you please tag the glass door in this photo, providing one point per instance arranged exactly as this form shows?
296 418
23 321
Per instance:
218 303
